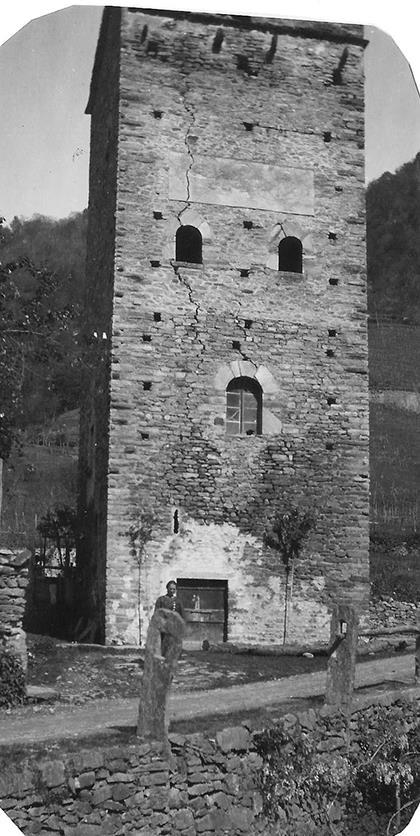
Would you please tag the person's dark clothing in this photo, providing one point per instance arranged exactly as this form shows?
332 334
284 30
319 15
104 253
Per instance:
165 602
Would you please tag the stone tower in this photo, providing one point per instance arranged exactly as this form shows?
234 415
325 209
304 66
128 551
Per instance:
225 323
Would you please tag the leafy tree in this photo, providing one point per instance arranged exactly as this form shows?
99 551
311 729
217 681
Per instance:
386 766
40 305
24 327
59 528
286 536
139 534
59 245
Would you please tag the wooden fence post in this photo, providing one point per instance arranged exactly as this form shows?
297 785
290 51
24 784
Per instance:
342 658
163 649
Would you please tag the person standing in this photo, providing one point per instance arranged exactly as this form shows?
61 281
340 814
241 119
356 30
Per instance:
170 601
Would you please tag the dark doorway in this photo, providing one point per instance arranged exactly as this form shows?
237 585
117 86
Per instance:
189 245
290 255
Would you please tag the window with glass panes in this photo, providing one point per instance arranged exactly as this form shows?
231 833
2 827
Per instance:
243 407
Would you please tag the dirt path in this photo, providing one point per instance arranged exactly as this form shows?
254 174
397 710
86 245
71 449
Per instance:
26 726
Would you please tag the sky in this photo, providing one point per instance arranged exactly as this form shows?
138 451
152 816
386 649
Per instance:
45 71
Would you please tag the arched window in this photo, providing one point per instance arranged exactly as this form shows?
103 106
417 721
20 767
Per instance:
290 255
243 407
189 245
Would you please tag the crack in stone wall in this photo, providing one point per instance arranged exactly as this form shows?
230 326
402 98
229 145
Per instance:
196 316
191 113
244 331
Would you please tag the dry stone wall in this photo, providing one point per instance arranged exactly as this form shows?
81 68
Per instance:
13 583
247 143
208 784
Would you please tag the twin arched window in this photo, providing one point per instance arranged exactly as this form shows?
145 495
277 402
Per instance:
243 407
290 254
189 249
189 245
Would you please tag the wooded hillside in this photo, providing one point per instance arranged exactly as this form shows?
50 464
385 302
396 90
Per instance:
393 244
42 276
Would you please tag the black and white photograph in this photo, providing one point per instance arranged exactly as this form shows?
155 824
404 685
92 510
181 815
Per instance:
210 420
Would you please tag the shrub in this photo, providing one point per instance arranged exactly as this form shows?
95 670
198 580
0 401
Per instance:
395 575
303 789
374 776
12 680
387 764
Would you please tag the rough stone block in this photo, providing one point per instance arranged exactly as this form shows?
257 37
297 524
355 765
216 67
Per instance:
86 780
122 791
121 778
199 789
183 819
84 830
234 739
216 820
101 794
52 773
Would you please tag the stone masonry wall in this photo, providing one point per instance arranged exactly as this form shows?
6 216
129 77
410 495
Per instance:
209 785
247 151
93 451
13 583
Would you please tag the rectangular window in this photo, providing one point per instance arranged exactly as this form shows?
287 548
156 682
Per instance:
233 413
241 413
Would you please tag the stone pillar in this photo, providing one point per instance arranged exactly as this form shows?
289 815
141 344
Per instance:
163 649
342 659
13 583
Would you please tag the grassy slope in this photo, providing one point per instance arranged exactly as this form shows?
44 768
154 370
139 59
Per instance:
395 466
394 357
394 363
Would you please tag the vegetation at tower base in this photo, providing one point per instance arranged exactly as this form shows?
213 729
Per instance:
59 528
140 531
287 536
139 534
12 680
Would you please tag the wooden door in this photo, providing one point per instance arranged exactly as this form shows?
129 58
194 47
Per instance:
205 602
